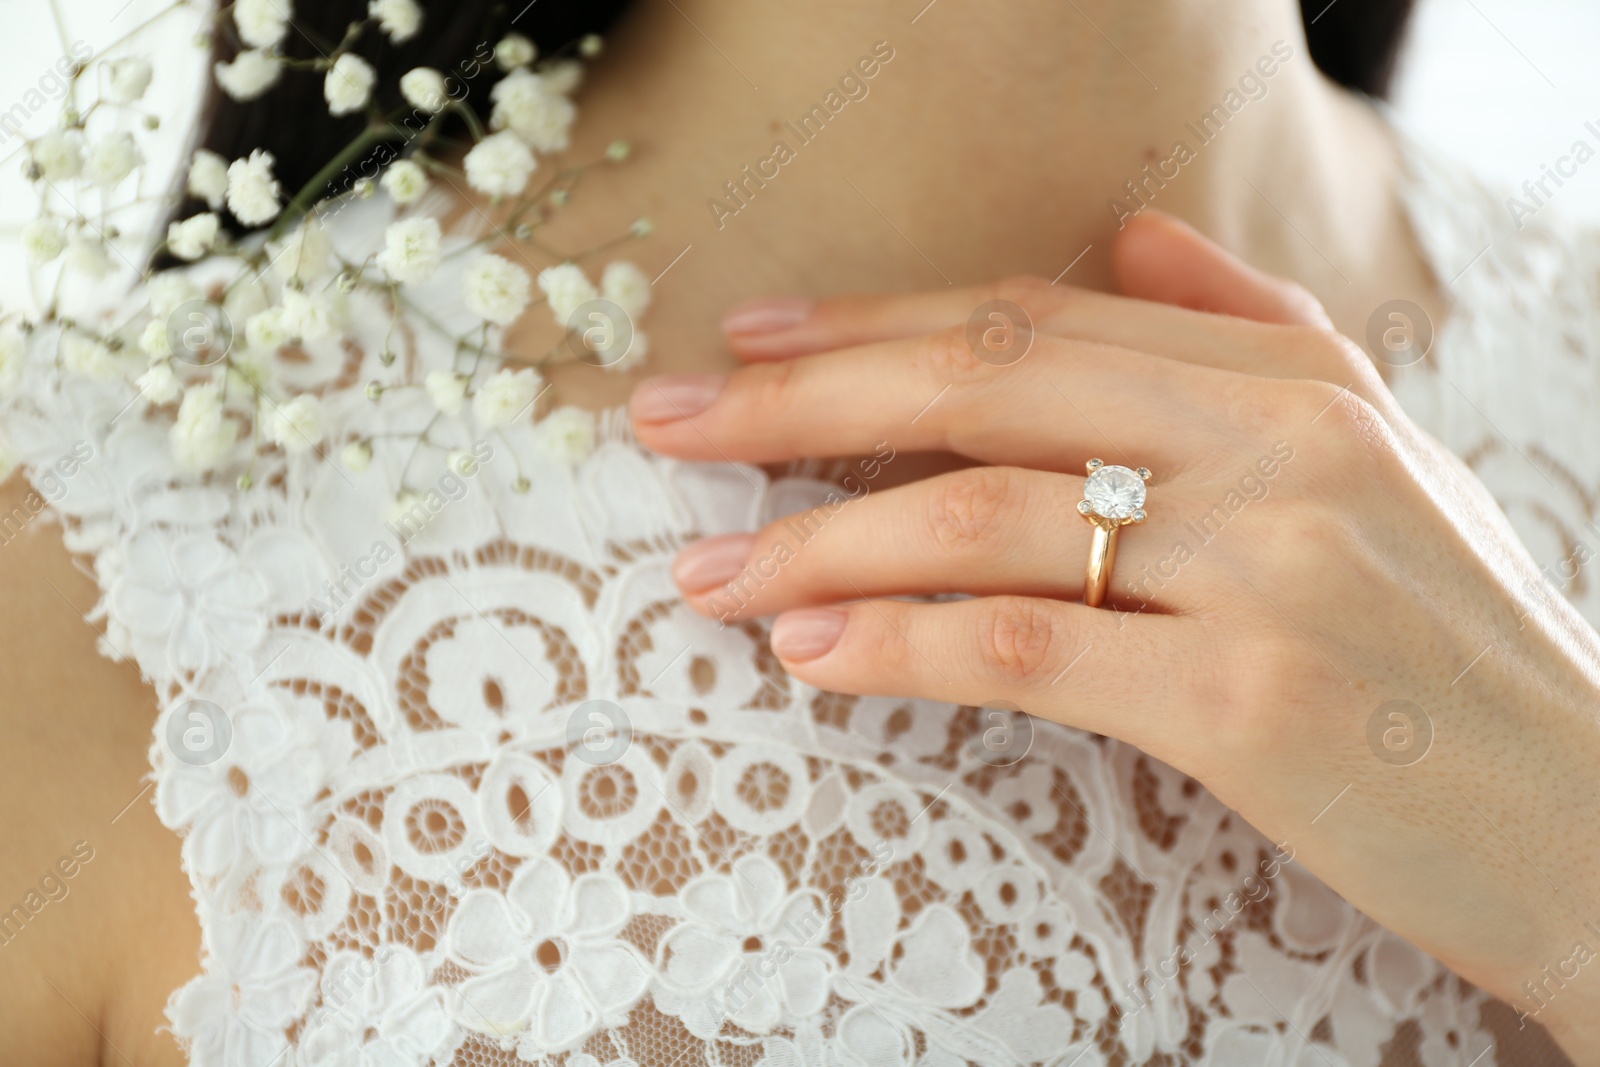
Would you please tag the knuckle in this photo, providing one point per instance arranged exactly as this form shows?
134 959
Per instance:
946 356
1019 638
1350 428
1252 713
884 644
967 508
773 386
1027 291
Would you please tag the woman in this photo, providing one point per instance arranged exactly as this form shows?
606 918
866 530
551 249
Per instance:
509 792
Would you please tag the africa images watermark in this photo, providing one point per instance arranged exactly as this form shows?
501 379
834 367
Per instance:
51 484
1252 487
1538 191
53 887
804 527
852 87
50 87
1255 888
1251 86
411 516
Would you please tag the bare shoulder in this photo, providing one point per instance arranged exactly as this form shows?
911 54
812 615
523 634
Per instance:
96 921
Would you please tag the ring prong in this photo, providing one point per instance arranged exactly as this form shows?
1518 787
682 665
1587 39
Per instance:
1143 473
1095 464
1083 507
1139 516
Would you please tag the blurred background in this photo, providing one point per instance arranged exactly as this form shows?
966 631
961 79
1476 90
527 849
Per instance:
1506 85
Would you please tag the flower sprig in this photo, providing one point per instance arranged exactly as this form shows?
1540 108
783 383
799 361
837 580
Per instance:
210 350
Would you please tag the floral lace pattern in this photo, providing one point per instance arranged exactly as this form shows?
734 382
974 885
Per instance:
403 853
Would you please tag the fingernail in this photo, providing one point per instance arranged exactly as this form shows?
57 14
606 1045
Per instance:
769 314
675 396
803 635
712 561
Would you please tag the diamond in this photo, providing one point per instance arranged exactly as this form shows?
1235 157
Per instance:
1114 492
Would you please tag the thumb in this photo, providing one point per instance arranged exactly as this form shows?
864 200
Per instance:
1162 259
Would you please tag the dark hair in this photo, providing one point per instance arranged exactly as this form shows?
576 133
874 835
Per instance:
1354 42
291 120
1357 43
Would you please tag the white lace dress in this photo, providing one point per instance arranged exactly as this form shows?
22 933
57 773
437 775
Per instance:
420 830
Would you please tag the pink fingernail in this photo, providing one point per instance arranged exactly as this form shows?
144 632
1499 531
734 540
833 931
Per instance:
675 396
804 635
712 562
768 314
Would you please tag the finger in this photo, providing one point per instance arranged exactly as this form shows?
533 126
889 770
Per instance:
784 327
982 531
935 394
1160 258
1062 661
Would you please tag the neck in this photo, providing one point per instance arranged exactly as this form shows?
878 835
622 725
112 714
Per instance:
841 146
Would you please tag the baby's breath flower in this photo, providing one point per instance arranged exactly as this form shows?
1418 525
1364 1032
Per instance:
357 456
642 228
153 340
167 290
348 86
400 19
251 73
563 76
505 396
58 154
618 151
202 436
514 50
405 182
208 177
400 510
193 237
265 331
262 23
566 435
496 289
411 250
297 424
567 288
87 255
11 349
590 46
158 384
306 254
111 159
618 351
249 374
129 78
447 390
525 105
626 286
309 316
499 165
424 88
43 240
89 356
252 190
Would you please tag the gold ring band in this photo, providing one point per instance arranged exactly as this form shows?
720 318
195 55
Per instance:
1102 554
1113 497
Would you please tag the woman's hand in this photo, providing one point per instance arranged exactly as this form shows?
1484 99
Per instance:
1324 619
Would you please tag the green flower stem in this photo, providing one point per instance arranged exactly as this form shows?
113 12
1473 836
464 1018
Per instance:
306 197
